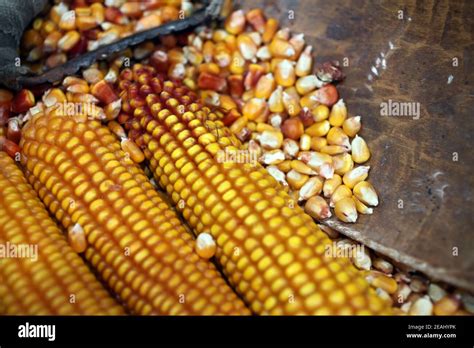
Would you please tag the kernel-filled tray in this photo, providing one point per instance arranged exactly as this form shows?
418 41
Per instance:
207 172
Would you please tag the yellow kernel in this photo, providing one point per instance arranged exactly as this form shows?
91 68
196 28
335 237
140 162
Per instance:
338 114
135 153
205 246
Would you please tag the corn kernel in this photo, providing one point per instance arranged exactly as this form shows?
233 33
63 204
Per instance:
22 101
356 175
291 148
336 136
312 187
318 208
277 174
117 129
205 246
301 167
306 84
295 179
292 128
53 97
284 166
256 109
227 103
351 126
281 49
68 41
271 27
256 19
86 22
360 150
361 207
343 163
264 54
271 139
98 12
235 23
345 210
333 149
448 305
330 185
305 142
380 280
365 192
298 43
239 124
135 153
147 22
265 86
285 73
247 47
272 157
317 143
275 101
304 63
68 20
208 51
318 129
291 101
77 238
338 114
237 65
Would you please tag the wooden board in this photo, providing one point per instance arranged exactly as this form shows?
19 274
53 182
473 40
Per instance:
422 168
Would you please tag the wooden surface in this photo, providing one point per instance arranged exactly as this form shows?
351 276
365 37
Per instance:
412 160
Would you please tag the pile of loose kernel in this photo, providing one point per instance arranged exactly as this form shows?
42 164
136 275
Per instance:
409 292
70 30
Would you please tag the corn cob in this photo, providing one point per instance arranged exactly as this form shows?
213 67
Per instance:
271 252
134 240
55 280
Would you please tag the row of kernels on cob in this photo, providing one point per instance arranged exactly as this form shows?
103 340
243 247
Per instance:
45 276
134 241
271 253
68 31
293 119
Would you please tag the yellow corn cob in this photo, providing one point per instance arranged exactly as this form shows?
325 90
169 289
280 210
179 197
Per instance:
50 278
271 251
135 241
